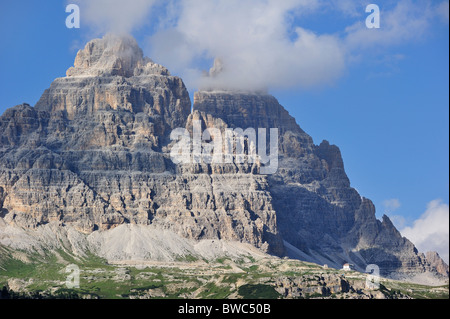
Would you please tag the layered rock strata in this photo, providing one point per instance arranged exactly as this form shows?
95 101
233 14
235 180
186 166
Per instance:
95 153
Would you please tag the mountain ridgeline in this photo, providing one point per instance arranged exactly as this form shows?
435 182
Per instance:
94 154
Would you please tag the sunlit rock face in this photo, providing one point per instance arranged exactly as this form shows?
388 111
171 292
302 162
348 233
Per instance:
94 153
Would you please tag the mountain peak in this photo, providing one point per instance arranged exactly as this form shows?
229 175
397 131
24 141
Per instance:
112 73
96 153
114 55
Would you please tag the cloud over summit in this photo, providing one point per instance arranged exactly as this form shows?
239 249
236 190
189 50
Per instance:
263 44
431 231
252 40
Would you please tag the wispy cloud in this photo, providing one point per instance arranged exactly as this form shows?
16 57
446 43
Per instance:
261 43
407 20
391 205
251 39
114 16
431 231
442 11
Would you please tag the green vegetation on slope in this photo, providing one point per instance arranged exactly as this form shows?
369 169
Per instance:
44 276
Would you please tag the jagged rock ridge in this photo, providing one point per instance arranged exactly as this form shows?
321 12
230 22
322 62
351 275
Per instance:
90 155
94 154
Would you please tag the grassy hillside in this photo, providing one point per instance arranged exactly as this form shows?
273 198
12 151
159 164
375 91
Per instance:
44 276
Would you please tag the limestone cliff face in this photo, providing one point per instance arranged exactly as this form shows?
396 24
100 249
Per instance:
90 155
321 217
94 153
111 74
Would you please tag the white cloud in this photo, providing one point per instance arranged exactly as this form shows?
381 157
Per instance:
431 231
251 39
407 20
262 43
442 11
115 16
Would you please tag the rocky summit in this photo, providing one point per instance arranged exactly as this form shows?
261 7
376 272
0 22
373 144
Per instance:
93 156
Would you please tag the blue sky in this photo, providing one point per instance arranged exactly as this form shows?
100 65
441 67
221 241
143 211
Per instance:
381 95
